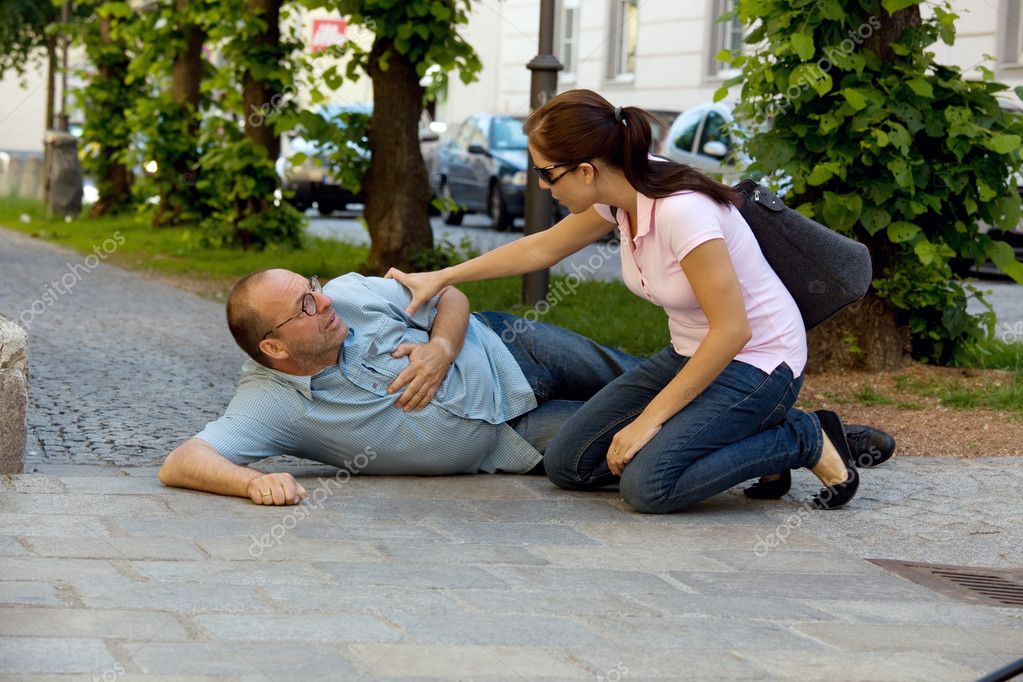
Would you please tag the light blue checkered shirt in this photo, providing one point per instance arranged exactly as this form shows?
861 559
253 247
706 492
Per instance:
345 410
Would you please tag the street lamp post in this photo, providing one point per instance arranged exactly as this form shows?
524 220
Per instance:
543 85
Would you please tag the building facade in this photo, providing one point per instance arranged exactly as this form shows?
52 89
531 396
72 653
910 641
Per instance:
657 54
660 54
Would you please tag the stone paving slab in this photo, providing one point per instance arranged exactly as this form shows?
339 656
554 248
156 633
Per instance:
463 599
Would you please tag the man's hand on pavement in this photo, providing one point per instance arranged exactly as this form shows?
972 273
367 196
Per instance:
276 489
427 366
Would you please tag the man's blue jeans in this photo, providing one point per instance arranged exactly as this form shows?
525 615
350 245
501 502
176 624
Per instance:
742 426
563 368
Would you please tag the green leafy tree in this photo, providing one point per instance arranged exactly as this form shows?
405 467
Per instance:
410 36
255 91
170 64
849 112
109 41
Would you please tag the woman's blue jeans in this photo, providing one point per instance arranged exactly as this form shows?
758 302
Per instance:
742 426
563 369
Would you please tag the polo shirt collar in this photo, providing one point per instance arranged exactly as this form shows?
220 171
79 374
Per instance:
302 384
643 206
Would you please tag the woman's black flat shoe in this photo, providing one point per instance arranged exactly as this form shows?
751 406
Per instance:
838 495
770 489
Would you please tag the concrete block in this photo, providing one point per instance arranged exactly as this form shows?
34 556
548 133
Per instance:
114 548
459 553
186 598
347 627
50 570
706 538
54 655
13 396
505 533
25 592
58 526
476 629
462 662
543 604
630 558
806 586
378 599
860 665
272 660
9 546
936 638
643 664
289 548
422 576
228 572
70 622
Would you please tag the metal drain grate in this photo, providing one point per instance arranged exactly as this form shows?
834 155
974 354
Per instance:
972 584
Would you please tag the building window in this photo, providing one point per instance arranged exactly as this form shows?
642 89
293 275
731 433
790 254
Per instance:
725 35
569 38
624 38
1012 52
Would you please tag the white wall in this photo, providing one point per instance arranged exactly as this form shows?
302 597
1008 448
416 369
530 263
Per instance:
22 110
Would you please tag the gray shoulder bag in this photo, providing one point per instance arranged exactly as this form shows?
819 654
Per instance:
823 270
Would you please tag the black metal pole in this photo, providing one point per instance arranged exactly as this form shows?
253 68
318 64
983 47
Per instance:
1007 673
543 84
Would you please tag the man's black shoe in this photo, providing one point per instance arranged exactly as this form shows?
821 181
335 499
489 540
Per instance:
869 446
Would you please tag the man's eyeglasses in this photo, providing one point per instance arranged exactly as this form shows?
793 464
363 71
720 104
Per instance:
308 304
545 172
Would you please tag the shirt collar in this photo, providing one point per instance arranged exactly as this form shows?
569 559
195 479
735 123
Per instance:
644 204
302 384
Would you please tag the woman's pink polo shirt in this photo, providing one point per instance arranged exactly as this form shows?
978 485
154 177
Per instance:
666 231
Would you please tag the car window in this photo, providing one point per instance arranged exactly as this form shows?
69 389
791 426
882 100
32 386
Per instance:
507 134
686 130
478 132
714 129
461 138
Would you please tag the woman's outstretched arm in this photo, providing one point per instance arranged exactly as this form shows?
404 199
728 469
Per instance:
535 252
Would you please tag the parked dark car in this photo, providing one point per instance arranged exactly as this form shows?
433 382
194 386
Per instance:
483 169
310 182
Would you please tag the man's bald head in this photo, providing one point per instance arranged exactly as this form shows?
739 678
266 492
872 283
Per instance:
247 324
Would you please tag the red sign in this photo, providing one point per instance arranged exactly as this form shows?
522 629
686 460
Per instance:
327 33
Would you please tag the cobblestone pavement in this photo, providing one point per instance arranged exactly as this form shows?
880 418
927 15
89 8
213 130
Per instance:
121 368
106 574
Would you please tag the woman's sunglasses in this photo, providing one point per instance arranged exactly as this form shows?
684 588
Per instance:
545 172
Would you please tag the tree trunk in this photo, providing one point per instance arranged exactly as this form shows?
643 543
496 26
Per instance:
867 335
186 77
115 188
51 94
396 185
864 336
259 96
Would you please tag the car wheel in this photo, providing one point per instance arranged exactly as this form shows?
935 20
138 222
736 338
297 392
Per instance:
499 216
325 209
449 216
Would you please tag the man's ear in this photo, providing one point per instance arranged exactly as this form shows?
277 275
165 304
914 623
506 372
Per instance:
274 349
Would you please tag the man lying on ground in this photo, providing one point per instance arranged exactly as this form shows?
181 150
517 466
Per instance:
344 376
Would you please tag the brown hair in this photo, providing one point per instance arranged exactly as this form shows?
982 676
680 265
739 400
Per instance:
245 322
580 125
